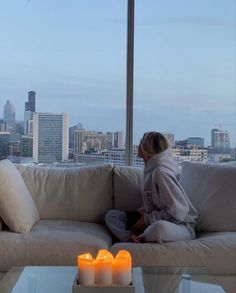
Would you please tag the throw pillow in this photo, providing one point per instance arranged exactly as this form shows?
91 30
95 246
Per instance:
17 207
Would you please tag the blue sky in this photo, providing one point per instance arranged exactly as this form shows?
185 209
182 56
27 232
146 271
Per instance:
73 54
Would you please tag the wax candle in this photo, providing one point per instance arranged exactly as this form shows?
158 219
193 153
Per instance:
103 267
86 269
122 268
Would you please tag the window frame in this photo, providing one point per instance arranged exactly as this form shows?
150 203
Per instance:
129 82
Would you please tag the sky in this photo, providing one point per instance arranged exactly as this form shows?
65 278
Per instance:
73 54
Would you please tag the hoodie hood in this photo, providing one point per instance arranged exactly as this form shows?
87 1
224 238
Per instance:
164 160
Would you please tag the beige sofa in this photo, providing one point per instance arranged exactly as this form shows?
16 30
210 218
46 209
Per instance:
72 203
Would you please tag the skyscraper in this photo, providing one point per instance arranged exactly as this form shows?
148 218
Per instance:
109 140
213 131
30 104
28 117
50 137
79 140
9 116
72 131
29 110
220 141
26 146
118 139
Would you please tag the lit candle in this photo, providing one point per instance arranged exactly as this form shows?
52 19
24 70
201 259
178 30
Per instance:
122 268
103 267
86 269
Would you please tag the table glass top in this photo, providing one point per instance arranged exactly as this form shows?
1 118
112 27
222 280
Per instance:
146 280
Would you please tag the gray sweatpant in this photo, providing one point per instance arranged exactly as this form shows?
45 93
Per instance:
159 231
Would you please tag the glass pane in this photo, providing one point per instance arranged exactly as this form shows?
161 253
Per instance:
185 59
62 57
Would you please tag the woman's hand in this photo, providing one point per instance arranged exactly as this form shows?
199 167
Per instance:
139 226
134 238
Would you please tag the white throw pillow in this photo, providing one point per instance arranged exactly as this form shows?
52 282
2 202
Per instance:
212 190
17 207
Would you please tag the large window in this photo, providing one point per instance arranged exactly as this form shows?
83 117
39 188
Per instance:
63 64
67 56
185 74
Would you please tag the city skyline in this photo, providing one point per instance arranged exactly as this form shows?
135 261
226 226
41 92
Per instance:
47 138
218 126
74 57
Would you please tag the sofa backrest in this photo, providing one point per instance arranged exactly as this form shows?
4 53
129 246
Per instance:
87 193
83 194
212 190
127 188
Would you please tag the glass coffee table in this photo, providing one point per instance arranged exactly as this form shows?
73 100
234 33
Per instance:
146 280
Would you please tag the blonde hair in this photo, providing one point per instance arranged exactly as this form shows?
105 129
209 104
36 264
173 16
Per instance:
153 143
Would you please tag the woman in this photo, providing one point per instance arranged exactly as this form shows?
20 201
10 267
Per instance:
167 214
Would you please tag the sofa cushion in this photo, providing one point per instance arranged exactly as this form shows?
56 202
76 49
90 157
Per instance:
17 208
0 224
212 190
127 188
83 194
52 243
215 251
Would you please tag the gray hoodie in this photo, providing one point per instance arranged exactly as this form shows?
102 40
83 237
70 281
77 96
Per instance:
163 196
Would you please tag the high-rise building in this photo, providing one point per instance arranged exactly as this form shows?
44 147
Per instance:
50 137
213 131
72 131
4 144
26 146
30 125
19 127
28 116
118 139
29 110
30 104
79 140
109 140
9 116
3 126
94 144
195 141
91 139
220 141
181 143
